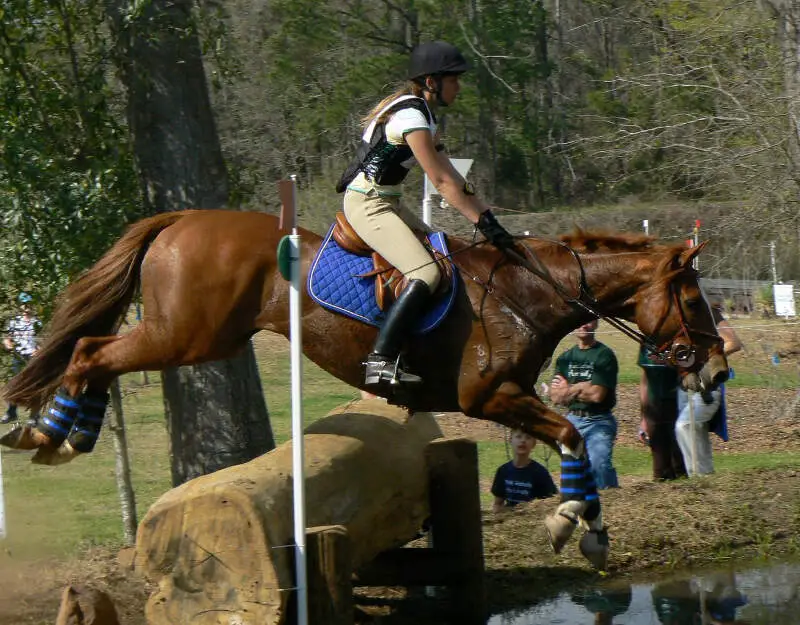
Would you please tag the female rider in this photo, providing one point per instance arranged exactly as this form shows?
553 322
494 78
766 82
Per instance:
399 132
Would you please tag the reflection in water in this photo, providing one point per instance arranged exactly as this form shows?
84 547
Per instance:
768 596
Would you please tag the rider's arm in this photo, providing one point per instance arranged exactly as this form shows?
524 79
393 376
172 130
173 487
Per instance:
443 175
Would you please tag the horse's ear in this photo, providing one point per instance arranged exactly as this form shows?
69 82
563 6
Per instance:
687 256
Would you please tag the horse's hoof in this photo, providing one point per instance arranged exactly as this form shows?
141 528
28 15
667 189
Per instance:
25 437
55 455
594 547
559 528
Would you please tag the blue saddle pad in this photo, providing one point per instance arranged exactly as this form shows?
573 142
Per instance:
334 283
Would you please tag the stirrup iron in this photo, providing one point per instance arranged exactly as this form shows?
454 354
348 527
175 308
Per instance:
385 371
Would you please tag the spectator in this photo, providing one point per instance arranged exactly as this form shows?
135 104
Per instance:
586 382
709 408
20 340
521 479
658 394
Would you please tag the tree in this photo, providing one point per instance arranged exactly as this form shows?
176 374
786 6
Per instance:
67 180
216 412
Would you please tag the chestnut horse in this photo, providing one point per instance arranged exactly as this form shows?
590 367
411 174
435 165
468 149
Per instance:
209 280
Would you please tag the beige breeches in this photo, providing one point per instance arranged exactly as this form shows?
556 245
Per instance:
386 227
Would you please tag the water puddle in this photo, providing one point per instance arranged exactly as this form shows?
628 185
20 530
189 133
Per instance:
762 596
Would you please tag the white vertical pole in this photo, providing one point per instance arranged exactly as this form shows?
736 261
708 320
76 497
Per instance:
427 212
773 263
298 444
2 503
646 226
427 202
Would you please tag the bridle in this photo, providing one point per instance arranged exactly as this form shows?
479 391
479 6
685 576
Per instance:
678 351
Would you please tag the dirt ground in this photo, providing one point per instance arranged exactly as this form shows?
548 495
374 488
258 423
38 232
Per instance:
654 527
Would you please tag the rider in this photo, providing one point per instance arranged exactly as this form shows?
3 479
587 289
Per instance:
400 131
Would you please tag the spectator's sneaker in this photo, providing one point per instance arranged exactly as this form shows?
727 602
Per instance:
8 418
33 421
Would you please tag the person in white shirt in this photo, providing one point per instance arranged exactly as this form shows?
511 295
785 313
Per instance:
20 340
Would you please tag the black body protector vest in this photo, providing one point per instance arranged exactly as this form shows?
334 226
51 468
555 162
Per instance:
381 161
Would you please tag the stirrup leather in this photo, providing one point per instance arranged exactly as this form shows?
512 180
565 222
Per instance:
383 369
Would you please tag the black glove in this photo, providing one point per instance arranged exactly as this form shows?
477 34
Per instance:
494 232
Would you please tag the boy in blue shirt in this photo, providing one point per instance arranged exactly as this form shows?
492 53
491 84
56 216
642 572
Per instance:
521 479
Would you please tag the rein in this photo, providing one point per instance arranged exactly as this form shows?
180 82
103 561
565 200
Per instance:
591 306
678 351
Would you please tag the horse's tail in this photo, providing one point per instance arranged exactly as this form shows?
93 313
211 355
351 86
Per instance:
93 305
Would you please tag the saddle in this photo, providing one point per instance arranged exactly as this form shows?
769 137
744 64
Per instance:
389 282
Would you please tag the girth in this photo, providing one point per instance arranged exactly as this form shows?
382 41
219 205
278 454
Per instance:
389 281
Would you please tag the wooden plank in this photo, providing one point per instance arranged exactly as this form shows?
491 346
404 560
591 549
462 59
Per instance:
329 566
456 522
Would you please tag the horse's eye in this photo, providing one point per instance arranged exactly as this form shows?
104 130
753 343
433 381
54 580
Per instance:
693 302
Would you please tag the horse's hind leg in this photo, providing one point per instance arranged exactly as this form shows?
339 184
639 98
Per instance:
75 420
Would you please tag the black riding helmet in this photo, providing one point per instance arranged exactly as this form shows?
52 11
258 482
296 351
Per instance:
436 58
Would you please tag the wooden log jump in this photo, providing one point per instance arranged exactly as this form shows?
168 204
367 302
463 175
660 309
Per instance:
220 547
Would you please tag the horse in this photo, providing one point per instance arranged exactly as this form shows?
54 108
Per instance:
209 280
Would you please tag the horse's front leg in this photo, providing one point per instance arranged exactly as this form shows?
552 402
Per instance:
512 407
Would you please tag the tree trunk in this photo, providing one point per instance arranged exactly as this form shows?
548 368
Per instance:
122 470
787 14
212 421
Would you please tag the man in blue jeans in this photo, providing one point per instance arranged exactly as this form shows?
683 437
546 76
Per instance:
585 381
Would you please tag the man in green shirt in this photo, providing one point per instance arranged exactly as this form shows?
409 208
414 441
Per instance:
586 382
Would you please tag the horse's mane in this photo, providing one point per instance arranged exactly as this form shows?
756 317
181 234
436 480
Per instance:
601 241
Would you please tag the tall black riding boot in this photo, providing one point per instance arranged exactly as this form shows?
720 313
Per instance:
383 363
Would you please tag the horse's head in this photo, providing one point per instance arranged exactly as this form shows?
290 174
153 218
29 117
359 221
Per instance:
676 317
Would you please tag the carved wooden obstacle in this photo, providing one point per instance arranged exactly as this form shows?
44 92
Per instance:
220 547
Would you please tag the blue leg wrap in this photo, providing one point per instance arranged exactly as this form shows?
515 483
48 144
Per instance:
577 484
60 418
89 421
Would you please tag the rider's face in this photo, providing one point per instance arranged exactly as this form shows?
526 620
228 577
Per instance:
450 88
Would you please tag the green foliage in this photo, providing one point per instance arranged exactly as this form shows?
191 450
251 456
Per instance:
603 100
67 179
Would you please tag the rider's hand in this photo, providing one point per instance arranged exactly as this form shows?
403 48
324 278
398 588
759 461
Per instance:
494 232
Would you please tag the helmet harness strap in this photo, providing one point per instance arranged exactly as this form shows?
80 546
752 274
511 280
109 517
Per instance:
437 80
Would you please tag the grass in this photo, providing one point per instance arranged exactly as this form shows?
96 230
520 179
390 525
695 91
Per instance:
59 511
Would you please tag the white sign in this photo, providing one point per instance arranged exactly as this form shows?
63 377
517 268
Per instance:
784 300
462 165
